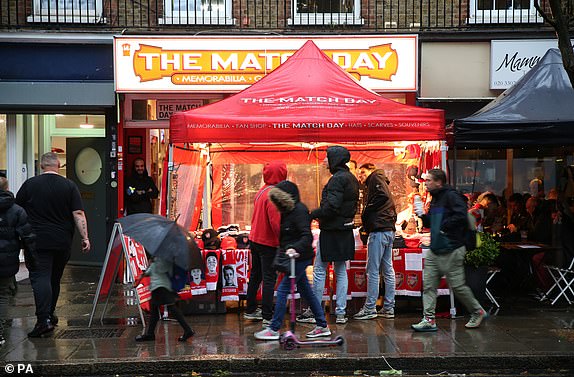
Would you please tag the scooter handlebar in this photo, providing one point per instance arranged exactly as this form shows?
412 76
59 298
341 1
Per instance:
292 253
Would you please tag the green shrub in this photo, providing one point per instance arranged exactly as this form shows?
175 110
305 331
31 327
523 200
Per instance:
486 252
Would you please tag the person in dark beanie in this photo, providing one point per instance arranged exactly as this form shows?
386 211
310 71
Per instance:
295 239
140 189
14 231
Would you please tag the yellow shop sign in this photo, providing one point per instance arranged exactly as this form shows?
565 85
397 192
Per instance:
154 64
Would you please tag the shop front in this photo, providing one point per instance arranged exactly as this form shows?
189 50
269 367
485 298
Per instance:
219 146
57 96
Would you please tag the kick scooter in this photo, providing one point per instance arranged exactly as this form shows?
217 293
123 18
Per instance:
288 339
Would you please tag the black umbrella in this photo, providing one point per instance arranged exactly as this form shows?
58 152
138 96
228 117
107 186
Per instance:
163 238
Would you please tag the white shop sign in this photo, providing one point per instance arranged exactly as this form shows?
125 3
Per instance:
512 59
165 108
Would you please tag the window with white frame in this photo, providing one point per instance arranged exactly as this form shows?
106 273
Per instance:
326 12
67 11
204 12
503 12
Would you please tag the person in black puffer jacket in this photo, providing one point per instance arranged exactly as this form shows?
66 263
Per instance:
14 230
295 238
336 214
139 189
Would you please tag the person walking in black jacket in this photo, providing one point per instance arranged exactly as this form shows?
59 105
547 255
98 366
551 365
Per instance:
14 231
379 218
296 239
140 189
336 244
448 222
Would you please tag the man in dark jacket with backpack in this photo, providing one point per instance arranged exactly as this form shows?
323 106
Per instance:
448 222
14 230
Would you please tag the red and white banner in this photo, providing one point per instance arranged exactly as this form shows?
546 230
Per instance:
138 263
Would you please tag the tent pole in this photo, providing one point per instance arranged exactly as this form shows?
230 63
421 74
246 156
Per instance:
443 150
168 210
454 167
207 188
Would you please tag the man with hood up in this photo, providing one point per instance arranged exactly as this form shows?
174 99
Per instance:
140 189
264 238
379 217
448 222
336 244
295 240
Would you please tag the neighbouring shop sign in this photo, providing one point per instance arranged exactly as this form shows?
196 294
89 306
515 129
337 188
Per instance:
512 59
156 64
164 109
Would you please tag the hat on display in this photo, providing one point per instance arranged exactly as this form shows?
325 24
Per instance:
242 240
228 243
210 239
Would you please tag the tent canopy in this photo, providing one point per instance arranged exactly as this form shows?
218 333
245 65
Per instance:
537 110
308 98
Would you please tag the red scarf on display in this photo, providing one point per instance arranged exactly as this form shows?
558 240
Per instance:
241 268
212 261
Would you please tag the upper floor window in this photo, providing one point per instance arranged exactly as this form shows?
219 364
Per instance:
67 11
503 11
326 12
204 12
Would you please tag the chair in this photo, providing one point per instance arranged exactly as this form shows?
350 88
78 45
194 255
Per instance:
492 271
563 283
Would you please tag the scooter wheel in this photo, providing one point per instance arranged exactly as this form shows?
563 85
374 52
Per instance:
282 338
289 344
340 340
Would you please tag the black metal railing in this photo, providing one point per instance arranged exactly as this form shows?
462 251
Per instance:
267 15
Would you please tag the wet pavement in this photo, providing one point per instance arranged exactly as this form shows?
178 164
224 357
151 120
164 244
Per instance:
523 337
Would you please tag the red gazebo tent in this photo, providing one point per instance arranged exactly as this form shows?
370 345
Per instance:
309 98
291 114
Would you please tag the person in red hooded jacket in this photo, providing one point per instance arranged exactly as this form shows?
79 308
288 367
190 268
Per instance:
264 239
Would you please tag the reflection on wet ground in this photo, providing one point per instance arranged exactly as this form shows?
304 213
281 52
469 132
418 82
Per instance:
525 331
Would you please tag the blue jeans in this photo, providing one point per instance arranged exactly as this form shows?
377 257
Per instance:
380 252
304 289
319 275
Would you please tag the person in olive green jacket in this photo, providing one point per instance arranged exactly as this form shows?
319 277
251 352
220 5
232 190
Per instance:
162 293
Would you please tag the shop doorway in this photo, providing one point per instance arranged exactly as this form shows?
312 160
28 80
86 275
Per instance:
86 166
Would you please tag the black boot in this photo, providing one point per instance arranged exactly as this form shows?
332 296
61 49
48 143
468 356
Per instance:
54 319
186 335
41 329
145 338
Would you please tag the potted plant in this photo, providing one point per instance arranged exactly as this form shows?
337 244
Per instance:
477 262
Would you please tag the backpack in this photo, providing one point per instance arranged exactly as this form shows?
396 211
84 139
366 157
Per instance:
179 278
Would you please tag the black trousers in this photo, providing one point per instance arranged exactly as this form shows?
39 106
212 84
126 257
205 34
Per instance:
261 270
173 311
46 281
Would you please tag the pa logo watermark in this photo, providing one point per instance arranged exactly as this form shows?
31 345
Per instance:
18 368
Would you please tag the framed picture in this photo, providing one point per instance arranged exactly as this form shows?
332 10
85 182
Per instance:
135 144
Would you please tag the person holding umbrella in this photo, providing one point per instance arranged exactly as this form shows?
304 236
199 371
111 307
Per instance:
170 245
160 271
